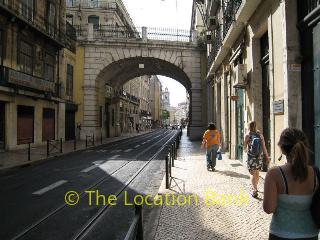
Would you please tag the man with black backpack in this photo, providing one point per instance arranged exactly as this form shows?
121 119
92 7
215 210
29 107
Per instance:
255 147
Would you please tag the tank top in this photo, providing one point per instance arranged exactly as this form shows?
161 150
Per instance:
292 218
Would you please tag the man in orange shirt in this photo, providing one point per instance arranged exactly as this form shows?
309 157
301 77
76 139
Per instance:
211 140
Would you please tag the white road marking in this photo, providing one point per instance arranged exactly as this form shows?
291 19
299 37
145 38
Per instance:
144 143
50 187
115 156
89 151
89 169
128 150
96 164
137 146
116 151
102 150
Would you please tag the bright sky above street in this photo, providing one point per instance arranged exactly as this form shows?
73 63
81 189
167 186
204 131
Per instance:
165 14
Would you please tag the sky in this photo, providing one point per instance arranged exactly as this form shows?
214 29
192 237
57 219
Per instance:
166 14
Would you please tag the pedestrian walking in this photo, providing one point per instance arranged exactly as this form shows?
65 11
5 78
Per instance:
289 189
255 147
211 140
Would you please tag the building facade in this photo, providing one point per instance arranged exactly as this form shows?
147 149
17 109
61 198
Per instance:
254 70
123 109
32 105
155 96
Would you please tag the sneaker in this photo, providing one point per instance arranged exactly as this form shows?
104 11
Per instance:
208 168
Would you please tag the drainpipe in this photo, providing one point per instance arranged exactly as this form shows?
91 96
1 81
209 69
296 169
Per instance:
273 96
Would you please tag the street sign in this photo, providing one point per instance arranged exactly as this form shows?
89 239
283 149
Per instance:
278 107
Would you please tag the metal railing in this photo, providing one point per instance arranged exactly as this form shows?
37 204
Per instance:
136 228
54 147
306 7
89 140
216 45
101 32
230 9
36 19
171 156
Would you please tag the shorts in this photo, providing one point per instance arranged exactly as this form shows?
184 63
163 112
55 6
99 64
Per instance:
254 163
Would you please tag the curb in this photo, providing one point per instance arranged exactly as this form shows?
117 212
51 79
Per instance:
41 160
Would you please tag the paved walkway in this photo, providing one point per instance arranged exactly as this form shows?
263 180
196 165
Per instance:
214 218
9 159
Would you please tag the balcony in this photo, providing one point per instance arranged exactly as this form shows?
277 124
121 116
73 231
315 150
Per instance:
126 96
230 9
25 14
71 37
235 14
20 80
308 7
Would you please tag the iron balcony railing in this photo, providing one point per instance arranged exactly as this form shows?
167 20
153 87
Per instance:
101 32
230 9
30 15
306 7
71 37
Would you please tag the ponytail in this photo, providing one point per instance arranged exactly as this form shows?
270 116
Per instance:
294 144
300 159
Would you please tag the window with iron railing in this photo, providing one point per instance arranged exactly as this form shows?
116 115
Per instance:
25 54
305 7
95 21
1 47
49 67
27 9
69 83
51 18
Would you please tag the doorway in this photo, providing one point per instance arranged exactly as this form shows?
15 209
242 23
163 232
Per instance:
2 125
316 60
240 120
264 43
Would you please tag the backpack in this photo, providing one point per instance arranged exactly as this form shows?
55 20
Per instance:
255 145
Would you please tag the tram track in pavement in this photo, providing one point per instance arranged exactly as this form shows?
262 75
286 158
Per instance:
24 234
19 205
84 153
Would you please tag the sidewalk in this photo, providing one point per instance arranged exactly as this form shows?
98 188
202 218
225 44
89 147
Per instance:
16 158
219 218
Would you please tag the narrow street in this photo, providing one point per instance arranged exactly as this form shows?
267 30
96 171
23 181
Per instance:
33 204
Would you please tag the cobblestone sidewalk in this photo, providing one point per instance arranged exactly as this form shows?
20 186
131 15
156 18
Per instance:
217 221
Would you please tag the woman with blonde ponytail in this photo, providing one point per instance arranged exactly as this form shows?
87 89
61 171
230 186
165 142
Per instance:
288 190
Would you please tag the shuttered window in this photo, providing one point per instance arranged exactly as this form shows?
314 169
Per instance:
25 124
48 124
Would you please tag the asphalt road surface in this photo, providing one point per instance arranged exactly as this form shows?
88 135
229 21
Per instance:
33 204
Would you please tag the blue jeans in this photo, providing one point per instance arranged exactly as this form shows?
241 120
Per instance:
212 155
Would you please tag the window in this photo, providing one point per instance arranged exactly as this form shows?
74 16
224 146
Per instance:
95 21
1 46
112 117
69 18
100 116
51 18
25 57
69 84
49 67
26 9
70 3
94 3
